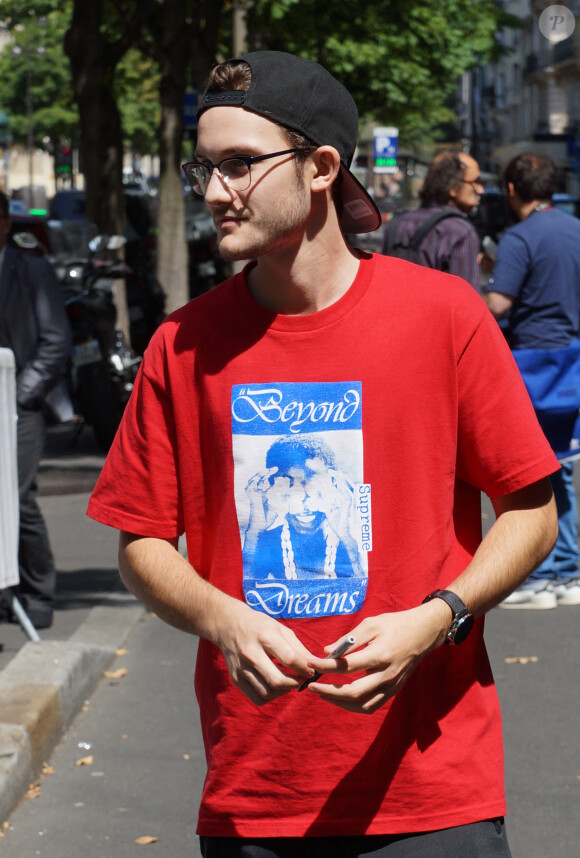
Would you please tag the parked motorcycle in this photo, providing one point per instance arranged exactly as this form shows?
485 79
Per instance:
103 367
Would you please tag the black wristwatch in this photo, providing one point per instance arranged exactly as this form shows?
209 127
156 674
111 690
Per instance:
462 622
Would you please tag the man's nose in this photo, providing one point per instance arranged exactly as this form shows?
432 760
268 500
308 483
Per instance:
217 189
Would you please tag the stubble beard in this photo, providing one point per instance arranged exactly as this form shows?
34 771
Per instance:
268 231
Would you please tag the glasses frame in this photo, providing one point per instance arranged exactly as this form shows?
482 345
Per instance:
248 160
472 182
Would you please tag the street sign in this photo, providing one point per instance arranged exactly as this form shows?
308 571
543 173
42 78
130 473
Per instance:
189 109
386 144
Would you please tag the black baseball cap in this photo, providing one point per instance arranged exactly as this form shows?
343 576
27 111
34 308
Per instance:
303 96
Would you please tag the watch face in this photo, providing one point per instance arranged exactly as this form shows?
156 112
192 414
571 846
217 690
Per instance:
459 629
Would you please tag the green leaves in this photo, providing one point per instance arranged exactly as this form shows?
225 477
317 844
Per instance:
400 60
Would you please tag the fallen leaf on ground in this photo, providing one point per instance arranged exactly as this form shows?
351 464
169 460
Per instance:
85 761
121 651
115 674
521 659
145 841
33 791
186 757
47 769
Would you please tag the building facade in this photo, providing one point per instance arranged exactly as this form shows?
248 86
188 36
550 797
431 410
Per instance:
530 98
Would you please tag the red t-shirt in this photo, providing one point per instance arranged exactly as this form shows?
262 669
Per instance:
325 468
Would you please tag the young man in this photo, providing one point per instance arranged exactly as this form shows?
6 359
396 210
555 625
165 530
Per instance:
535 289
453 188
397 750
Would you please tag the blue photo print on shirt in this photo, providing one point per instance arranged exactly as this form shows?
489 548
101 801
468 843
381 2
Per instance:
303 508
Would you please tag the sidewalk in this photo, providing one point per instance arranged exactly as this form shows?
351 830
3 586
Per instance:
43 685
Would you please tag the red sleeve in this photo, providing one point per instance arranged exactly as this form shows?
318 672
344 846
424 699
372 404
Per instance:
501 447
138 489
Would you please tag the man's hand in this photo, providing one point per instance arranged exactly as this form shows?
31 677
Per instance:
265 658
392 647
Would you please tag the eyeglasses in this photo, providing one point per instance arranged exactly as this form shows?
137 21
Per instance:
473 182
235 172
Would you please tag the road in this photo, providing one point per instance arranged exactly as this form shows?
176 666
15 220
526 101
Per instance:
143 763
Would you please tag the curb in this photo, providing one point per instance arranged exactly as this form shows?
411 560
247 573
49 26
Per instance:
45 686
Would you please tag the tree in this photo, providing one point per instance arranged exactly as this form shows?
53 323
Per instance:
182 36
34 63
400 59
137 93
96 41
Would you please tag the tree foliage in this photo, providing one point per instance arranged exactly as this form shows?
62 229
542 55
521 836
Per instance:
35 57
42 24
137 91
399 58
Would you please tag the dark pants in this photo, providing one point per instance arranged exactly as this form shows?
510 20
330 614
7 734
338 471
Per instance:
478 840
37 573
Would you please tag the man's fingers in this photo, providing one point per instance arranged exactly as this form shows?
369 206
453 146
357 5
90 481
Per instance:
361 699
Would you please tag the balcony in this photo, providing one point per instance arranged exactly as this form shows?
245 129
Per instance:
539 61
551 57
564 50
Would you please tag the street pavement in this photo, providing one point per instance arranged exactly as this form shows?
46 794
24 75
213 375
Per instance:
129 769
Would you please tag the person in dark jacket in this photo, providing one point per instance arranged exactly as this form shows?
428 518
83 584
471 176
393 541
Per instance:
34 325
452 186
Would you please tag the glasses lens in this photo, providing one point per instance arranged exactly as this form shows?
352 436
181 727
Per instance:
236 173
198 177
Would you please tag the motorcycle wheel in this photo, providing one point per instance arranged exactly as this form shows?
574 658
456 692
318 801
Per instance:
101 403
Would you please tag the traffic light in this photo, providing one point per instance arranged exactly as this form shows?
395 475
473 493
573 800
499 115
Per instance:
63 160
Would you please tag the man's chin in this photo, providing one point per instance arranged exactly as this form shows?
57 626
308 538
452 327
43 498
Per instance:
230 251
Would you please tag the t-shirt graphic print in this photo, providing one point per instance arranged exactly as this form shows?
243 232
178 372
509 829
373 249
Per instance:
304 511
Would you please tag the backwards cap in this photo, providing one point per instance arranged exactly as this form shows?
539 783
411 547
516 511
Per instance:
303 96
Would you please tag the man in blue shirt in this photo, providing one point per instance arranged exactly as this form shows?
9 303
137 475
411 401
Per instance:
535 291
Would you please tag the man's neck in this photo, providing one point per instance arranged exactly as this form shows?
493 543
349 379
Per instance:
299 283
526 209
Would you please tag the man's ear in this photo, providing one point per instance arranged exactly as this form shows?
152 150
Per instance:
453 191
511 190
326 166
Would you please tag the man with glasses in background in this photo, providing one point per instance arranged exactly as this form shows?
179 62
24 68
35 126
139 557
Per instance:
398 750
446 239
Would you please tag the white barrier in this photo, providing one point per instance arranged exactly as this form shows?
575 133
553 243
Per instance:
8 473
9 504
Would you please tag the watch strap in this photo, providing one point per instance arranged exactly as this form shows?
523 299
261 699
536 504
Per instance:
456 604
462 621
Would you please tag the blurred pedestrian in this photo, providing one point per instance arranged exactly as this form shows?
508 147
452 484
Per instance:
535 291
34 325
317 376
443 236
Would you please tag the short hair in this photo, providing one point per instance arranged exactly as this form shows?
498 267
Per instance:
533 177
293 452
4 205
445 173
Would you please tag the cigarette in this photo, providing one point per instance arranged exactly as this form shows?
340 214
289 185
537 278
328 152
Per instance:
339 651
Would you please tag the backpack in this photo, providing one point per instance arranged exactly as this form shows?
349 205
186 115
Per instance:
410 250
